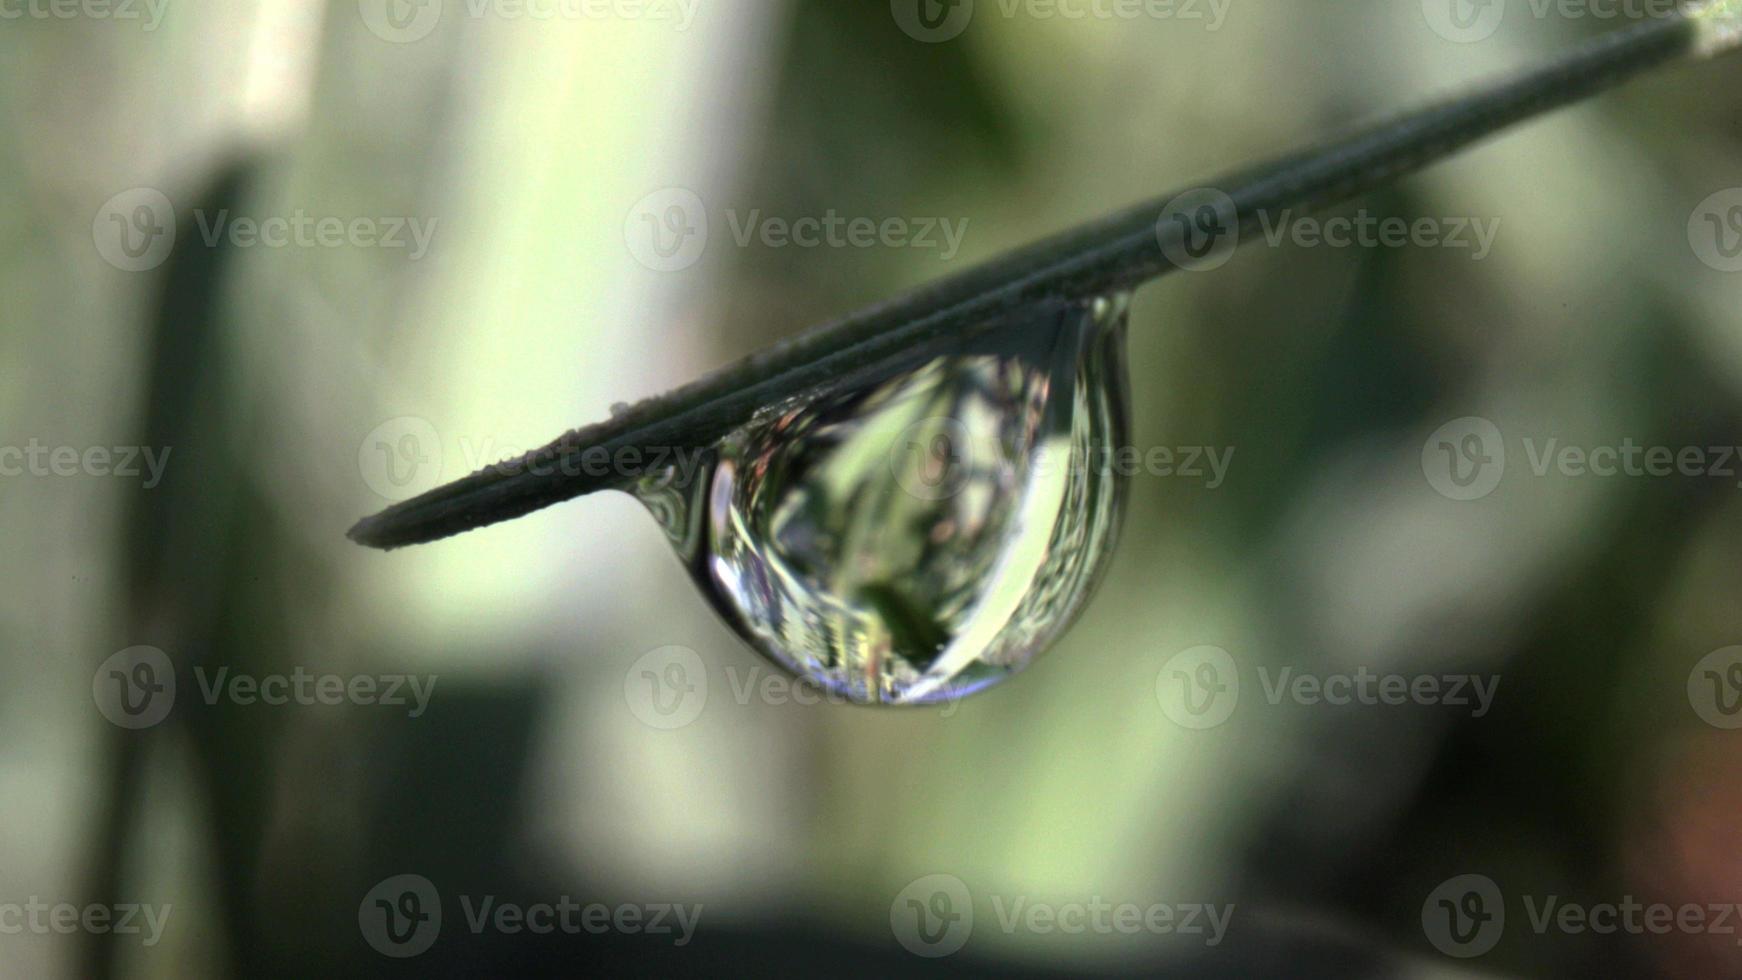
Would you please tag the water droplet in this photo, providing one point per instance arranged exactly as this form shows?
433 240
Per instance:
914 537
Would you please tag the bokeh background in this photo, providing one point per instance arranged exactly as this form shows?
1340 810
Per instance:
528 146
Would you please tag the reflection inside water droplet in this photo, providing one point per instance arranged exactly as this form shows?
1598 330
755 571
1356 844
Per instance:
914 537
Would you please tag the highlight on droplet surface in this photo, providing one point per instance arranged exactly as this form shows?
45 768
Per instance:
918 535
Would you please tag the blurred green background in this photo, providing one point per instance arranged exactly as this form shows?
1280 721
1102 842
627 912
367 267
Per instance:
525 146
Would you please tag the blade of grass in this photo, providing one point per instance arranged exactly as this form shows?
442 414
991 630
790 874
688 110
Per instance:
1114 252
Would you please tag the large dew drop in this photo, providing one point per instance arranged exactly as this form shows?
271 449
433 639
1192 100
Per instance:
918 537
